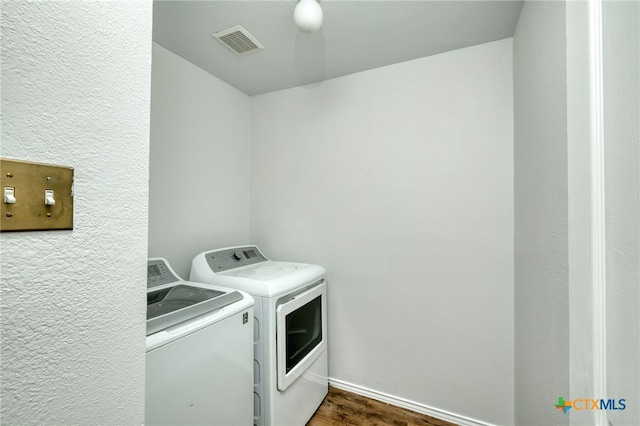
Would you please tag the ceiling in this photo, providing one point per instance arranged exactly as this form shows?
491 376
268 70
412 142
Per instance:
356 35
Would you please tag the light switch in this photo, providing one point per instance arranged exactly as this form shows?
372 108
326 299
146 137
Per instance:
9 195
48 197
44 198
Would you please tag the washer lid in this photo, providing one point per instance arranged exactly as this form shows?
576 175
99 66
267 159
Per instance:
172 305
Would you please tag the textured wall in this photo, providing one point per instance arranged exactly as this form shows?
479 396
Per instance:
399 182
541 214
621 48
199 170
76 79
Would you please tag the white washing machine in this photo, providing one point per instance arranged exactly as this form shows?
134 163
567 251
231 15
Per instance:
199 363
290 330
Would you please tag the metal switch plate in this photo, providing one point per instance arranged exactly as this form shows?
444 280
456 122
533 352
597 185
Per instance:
34 185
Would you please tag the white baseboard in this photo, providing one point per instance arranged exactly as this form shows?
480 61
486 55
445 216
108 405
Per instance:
405 403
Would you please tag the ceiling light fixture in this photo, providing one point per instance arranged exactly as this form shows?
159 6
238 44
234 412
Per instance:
308 16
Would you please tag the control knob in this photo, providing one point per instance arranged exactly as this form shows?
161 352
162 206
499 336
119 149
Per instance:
238 255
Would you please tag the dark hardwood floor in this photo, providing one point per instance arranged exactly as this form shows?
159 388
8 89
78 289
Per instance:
345 408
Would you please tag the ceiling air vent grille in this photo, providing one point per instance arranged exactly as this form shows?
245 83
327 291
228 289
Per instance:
239 40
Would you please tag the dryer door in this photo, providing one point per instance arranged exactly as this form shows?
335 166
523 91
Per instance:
301 332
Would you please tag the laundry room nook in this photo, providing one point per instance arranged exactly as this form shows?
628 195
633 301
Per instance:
427 204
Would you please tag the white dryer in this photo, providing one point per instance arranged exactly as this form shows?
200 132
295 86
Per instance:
199 363
290 330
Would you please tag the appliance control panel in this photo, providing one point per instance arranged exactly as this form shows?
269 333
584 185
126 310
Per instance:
159 272
234 257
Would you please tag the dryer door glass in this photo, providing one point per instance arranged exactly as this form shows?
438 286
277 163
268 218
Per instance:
304 331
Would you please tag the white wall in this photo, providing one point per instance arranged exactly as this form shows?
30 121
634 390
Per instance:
621 48
541 214
399 181
584 338
76 79
199 172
